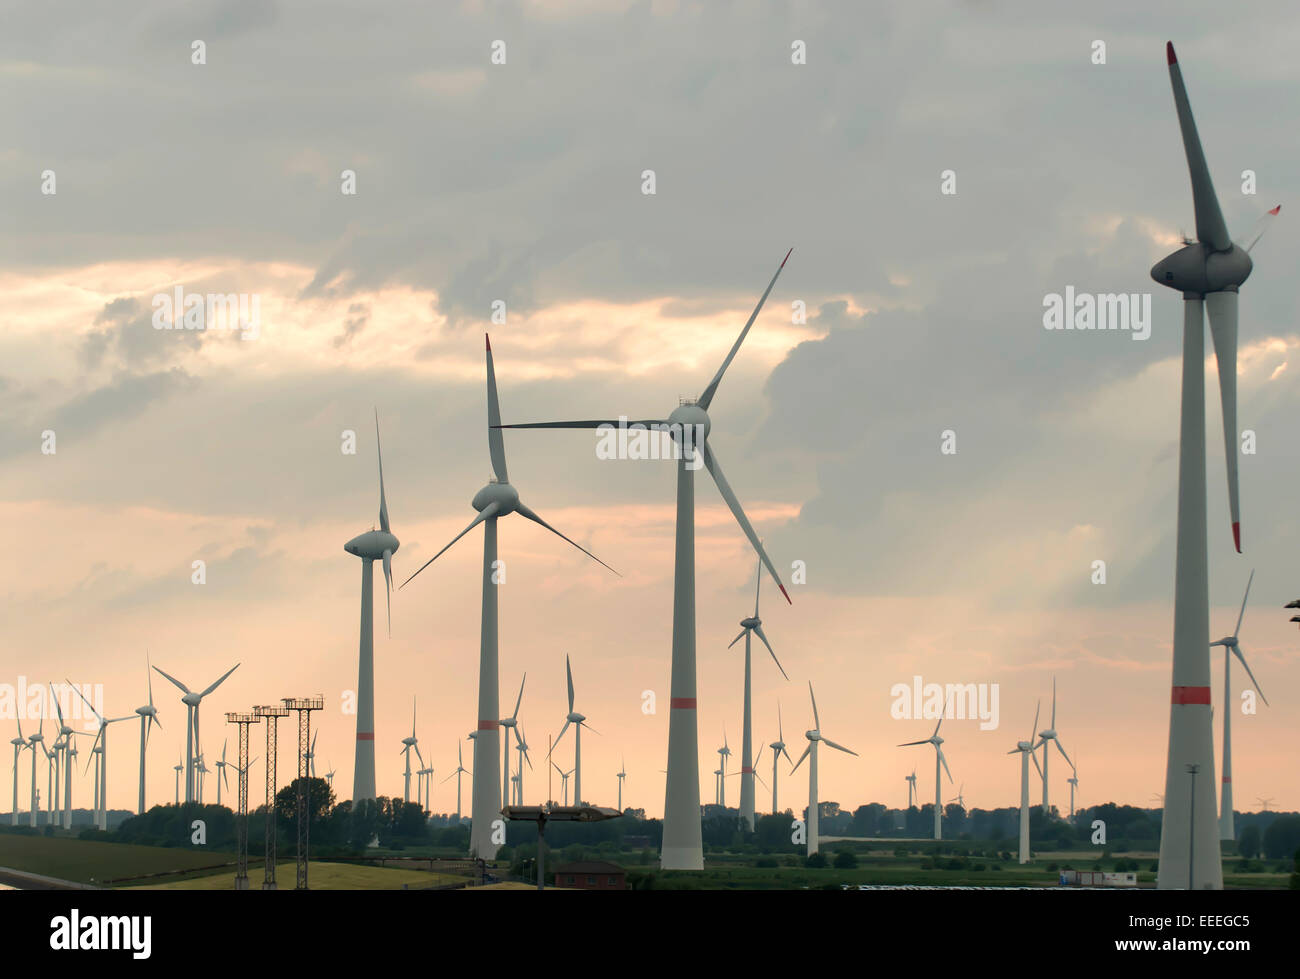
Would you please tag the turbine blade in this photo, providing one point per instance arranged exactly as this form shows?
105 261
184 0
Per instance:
1210 227
149 675
523 511
589 423
1062 751
519 701
839 747
817 723
1034 756
383 502
1251 675
1222 308
216 684
1263 224
758 631
707 397
568 670
556 743
184 689
908 744
715 470
496 442
738 638
1034 733
417 755
801 758
1242 613
88 704
488 511
588 727
388 589
1053 703
944 761
758 584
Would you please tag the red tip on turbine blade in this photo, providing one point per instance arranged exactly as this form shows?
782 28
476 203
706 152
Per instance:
784 592
1169 52
489 342
1236 536
787 254
1275 210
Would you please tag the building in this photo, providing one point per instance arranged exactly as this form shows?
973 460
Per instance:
591 875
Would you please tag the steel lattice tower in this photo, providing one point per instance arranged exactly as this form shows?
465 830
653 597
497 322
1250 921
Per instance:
241 819
272 715
304 706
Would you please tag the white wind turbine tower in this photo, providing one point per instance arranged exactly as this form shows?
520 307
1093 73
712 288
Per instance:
939 759
749 627
97 758
579 721
495 500
329 776
201 770
64 744
778 749
101 816
1208 273
511 723
374 545
72 761
460 770
148 718
19 744
814 737
522 749
32 741
311 754
723 754
622 774
564 781
1026 751
1046 739
50 781
1227 829
689 424
407 745
191 700
221 770
1074 784
180 767
911 788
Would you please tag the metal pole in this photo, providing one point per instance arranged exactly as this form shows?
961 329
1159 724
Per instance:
541 854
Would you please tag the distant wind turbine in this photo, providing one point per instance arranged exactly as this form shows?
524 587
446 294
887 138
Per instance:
1046 739
939 759
814 738
579 721
102 738
148 718
191 701
510 723
407 745
460 770
778 749
1026 751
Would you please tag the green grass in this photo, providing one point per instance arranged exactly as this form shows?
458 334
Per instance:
320 877
87 861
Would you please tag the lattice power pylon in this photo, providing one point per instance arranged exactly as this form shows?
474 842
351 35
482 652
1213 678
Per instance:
241 819
304 706
272 715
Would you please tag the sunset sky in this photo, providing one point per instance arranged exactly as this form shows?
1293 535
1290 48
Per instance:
522 182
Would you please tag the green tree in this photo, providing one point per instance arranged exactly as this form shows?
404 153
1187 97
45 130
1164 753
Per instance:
846 860
1248 845
1282 837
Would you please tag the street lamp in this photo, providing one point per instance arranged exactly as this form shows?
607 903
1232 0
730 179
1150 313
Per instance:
563 814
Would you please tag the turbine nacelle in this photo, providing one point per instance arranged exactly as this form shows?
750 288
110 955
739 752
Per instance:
505 496
372 545
575 718
147 711
1199 269
1047 735
752 622
689 415
812 735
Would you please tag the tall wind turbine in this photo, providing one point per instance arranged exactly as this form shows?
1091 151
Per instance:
689 423
579 721
1208 273
407 745
1046 739
101 817
1074 784
374 545
191 700
522 748
939 759
911 787
511 723
460 770
564 780
1227 830
64 745
751 626
1026 751
19 744
723 754
814 737
221 770
778 749
311 754
148 718
495 500
32 741
179 768
622 774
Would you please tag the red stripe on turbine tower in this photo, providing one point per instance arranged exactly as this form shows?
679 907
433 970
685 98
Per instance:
682 703
365 736
746 770
487 725
1227 778
1191 695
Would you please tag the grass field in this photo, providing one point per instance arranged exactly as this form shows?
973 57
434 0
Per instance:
90 861
321 877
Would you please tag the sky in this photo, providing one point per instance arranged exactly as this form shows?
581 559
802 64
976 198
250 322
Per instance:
519 187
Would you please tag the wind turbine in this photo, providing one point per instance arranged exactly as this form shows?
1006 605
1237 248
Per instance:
1265 804
522 749
374 545
407 745
101 817
751 626
495 500
460 770
311 754
1046 740
19 744
64 744
32 741
221 770
622 774
201 769
1026 751
814 736
511 723
911 787
778 749
148 718
1227 829
939 759
1074 784
1208 273
329 776
958 798
179 768
723 754
578 721
191 700
689 425
564 780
